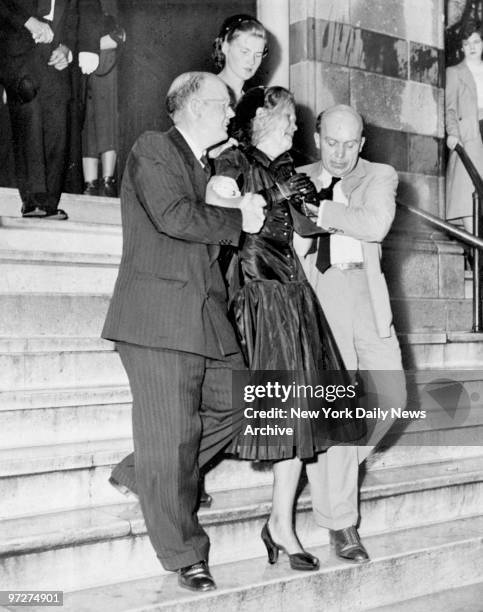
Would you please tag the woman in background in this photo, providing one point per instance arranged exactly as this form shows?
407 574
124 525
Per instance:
101 125
464 124
238 51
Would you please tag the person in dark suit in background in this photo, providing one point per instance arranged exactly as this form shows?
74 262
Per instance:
36 42
169 318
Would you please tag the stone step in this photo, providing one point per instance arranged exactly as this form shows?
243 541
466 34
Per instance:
52 416
37 235
57 277
35 369
73 413
42 360
467 598
80 208
59 476
12 257
44 417
61 362
44 471
52 314
385 491
410 562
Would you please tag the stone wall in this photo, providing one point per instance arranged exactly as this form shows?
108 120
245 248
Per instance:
385 58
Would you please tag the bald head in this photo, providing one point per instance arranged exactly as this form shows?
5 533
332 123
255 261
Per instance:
343 112
339 138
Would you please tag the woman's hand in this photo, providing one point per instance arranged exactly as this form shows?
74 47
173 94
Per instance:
223 191
451 142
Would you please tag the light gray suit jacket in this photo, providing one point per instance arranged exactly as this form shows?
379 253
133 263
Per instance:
370 190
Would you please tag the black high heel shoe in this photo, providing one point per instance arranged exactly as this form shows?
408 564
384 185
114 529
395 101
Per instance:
298 561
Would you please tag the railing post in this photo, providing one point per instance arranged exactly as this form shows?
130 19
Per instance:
476 266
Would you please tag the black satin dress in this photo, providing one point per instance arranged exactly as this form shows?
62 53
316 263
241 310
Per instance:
279 321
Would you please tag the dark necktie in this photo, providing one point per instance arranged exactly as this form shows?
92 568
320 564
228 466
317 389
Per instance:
323 253
206 166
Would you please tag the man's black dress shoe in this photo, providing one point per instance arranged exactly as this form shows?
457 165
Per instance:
348 545
56 215
33 213
196 577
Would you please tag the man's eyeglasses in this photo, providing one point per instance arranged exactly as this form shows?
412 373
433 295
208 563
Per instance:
226 104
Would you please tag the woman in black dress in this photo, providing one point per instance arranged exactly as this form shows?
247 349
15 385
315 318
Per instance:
278 319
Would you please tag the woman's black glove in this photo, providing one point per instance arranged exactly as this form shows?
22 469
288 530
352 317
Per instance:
298 185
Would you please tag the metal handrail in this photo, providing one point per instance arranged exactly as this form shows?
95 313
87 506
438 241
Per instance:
475 176
472 240
444 226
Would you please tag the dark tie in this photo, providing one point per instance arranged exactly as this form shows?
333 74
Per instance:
206 166
323 253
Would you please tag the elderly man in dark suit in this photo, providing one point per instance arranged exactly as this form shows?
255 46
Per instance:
168 315
37 39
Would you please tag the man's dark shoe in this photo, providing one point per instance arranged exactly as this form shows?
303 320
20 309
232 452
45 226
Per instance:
56 215
348 545
34 213
196 577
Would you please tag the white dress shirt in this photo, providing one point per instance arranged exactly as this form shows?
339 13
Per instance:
197 152
50 16
343 249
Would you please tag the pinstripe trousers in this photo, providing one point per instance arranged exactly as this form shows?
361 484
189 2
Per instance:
182 416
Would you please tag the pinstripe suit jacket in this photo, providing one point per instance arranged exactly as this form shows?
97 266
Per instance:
169 292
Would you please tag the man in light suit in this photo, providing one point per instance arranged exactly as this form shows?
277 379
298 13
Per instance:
169 317
346 275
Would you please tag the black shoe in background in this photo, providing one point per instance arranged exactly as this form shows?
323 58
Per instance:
108 187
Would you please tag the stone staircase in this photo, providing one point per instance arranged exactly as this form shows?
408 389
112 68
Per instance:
65 420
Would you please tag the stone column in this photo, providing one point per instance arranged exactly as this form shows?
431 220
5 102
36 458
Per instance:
274 14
